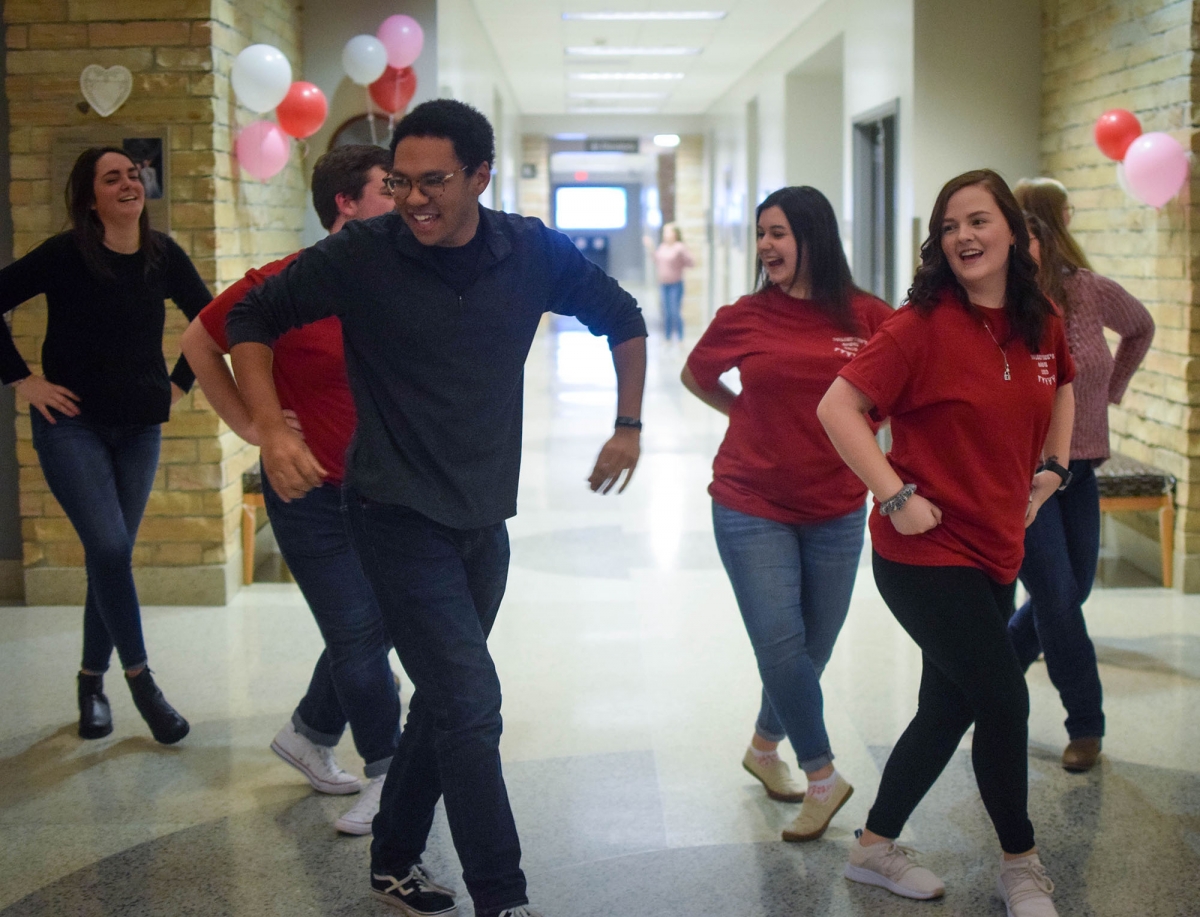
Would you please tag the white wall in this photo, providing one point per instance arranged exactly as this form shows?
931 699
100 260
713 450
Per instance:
470 71
327 28
814 95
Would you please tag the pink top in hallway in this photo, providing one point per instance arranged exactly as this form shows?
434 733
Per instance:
671 258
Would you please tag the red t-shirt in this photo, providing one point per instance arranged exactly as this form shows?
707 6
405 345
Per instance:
309 370
967 438
776 462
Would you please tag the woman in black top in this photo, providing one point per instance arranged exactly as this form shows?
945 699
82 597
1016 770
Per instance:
97 411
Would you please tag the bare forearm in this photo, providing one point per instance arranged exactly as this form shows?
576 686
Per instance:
720 398
1062 420
252 368
629 361
207 360
842 412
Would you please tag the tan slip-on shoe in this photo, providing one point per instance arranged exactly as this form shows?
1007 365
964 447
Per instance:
1081 754
776 778
815 816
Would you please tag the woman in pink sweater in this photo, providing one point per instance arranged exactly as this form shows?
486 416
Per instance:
671 257
1062 544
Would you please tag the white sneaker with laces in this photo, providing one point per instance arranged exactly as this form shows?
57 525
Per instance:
1025 888
892 866
358 820
315 762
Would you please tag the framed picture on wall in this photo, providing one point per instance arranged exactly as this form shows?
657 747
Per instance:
147 155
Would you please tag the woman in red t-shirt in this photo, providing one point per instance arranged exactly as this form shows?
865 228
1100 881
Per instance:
975 375
787 513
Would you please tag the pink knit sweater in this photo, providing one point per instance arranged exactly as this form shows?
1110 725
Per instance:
1100 378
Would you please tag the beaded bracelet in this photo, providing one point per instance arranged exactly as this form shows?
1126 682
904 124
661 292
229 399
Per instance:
896 503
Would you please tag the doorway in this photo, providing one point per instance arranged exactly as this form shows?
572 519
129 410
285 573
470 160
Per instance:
874 158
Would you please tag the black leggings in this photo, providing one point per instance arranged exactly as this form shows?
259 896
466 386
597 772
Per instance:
958 616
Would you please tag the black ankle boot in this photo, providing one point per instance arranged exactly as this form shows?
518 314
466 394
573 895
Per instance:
166 725
95 716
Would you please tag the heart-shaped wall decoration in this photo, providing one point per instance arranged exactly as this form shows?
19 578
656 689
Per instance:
105 89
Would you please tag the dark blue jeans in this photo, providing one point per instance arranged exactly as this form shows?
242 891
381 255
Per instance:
1062 548
352 681
101 475
672 304
439 590
793 585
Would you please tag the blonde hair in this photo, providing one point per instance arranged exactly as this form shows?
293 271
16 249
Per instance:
675 228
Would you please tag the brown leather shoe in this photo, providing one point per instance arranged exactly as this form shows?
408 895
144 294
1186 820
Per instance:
1081 754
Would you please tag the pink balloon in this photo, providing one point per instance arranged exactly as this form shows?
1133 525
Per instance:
403 39
262 149
1156 166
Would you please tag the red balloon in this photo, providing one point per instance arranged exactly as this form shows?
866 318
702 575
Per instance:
1115 130
302 111
394 90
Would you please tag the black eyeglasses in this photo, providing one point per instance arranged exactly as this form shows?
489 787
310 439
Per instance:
431 186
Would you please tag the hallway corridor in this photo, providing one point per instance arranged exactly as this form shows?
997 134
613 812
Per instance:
630 694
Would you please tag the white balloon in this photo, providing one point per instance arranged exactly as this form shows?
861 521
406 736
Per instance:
261 77
364 59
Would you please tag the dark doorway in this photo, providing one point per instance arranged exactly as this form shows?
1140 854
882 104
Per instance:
875 201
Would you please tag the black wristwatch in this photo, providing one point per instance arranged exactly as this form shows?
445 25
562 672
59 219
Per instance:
1051 464
631 422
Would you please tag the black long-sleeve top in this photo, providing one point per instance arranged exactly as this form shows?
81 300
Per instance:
437 373
104 337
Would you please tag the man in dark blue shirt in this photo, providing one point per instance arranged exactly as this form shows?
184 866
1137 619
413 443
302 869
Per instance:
439 304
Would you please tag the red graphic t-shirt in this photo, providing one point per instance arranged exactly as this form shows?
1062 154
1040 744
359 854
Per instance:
776 461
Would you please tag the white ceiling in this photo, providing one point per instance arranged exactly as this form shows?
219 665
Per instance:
531 37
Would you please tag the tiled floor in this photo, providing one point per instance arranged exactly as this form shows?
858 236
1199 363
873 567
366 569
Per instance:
630 692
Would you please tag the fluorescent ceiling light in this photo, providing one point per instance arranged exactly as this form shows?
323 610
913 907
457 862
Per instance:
649 110
616 95
570 135
650 16
645 51
626 76
667 140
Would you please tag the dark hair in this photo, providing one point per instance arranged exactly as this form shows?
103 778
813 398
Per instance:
343 170
467 129
1025 304
813 222
1046 198
1053 267
85 222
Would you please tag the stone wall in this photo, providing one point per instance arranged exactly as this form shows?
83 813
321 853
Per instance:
691 213
1102 54
180 53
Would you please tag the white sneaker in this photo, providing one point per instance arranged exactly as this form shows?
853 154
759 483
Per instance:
891 866
1025 888
358 820
315 762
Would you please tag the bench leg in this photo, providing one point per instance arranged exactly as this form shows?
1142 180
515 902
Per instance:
249 521
1166 537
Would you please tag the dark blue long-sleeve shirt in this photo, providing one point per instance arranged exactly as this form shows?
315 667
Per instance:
437 375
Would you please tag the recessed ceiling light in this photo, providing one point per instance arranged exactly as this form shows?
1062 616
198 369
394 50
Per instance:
666 140
625 76
649 51
649 110
650 16
616 95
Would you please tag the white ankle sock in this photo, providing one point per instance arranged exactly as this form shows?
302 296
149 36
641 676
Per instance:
819 790
764 758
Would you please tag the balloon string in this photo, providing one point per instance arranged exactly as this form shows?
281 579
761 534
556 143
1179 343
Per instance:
302 146
371 116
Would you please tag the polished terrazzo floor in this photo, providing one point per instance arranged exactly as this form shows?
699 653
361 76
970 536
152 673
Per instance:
630 692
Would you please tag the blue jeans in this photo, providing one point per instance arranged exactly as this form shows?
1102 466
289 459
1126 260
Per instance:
352 681
672 303
101 475
793 585
439 590
1062 548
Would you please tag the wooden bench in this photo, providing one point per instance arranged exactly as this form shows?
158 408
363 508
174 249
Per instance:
1128 485
252 499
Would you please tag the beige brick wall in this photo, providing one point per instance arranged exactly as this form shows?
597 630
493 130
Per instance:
1102 54
180 53
533 194
691 213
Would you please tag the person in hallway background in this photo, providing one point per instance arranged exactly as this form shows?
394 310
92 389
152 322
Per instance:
975 375
787 513
670 259
352 680
439 304
1062 546
97 412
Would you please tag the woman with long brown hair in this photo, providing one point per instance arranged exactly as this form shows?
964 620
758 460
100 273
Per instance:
1062 545
96 412
975 375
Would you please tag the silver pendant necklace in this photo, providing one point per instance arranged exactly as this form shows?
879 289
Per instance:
988 329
